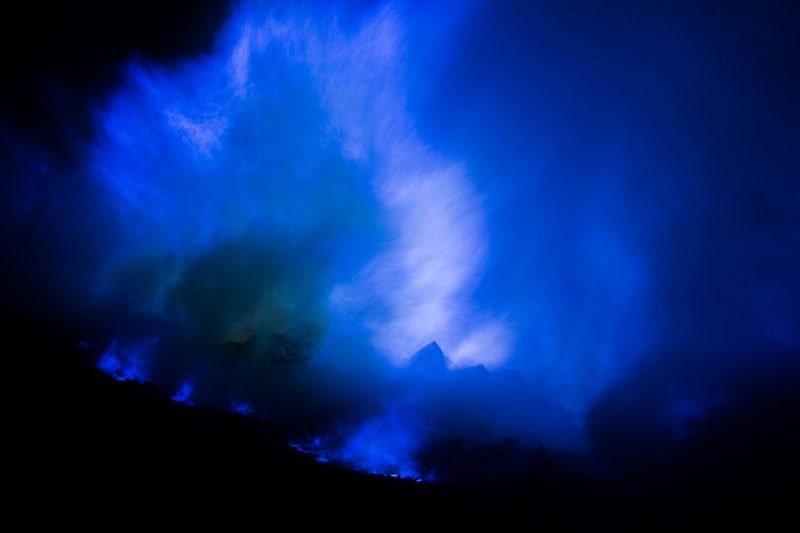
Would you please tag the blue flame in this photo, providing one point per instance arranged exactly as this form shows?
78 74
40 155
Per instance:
241 408
128 363
184 393
385 445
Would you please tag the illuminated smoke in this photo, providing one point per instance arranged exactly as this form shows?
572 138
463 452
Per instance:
280 228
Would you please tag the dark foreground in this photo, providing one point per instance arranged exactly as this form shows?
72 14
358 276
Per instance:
88 446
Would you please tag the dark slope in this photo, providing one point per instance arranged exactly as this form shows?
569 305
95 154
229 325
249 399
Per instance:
88 445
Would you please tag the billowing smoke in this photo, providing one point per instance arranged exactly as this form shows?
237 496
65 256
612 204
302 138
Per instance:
394 227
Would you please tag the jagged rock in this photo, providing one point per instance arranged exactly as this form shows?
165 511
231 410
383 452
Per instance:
429 360
477 373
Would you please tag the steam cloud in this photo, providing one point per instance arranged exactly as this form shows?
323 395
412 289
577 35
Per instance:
349 220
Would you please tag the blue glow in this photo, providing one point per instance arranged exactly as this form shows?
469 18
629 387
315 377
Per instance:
241 408
127 363
314 448
385 445
184 393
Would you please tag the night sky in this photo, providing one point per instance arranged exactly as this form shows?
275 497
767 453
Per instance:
499 263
